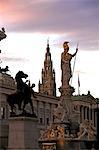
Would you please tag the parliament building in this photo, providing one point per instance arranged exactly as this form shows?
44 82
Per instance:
45 102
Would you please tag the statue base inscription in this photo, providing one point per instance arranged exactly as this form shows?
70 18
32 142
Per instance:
23 133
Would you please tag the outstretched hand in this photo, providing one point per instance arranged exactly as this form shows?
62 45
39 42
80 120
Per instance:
75 52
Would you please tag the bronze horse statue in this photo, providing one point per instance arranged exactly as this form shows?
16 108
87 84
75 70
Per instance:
23 94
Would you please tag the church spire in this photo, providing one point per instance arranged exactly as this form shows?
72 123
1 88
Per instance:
48 49
48 85
48 41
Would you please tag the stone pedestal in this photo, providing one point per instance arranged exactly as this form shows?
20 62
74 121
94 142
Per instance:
3 134
23 133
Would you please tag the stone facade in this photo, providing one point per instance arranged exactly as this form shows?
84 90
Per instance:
7 86
44 106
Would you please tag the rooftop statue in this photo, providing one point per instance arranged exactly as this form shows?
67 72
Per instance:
2 34
4 70
22 94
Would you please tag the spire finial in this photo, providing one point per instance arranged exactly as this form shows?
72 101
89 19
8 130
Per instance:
48 49
48 41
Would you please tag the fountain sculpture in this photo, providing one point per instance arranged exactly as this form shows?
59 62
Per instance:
65 133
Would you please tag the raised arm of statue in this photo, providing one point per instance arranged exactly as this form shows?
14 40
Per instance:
75 52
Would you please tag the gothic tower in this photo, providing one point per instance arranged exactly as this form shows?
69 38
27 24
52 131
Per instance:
48 84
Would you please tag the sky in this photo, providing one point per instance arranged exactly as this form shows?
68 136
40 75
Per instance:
30 23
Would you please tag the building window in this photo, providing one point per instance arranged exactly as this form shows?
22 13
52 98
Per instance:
53 118
91 112
88 113
47 120
84 113
41 120
48 57
47 111
94 118
81 107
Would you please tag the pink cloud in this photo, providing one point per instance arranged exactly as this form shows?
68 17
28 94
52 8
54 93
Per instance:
12 12
12 59
44 16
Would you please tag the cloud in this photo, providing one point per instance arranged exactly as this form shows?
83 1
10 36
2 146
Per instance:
57 16
10 58
13 59
72 19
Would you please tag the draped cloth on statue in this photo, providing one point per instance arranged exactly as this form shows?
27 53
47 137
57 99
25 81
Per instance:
66 68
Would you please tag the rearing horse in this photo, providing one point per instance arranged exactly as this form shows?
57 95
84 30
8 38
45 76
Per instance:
23 93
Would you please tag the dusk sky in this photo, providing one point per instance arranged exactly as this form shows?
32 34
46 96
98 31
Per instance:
28 25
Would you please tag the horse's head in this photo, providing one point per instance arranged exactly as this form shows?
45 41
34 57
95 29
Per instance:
21 75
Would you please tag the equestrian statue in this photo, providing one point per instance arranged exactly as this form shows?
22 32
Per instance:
22 96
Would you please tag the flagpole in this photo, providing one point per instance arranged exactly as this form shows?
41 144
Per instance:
74 65
78 85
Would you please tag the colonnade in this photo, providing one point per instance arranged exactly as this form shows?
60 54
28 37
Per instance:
89 113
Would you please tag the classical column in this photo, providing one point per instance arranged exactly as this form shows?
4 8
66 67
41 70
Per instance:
44 112
93 115
81 114
37 107
90 112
